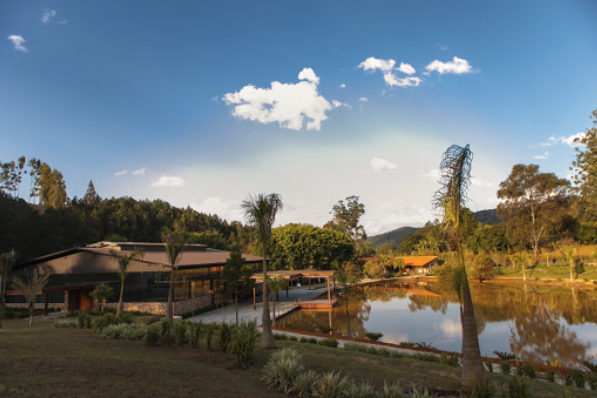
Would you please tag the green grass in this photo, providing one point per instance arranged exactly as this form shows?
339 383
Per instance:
552 272
46 362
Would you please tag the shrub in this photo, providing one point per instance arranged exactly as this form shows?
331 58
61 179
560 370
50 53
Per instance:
180 332
426 357
282 369
195 333
224 337
242 342
304 382
125 317
391 390
489 365
65 324
374 336
550 375
517 388
330 385
363 390
280 336
482 390
529 371
84 320
505 368
578 377
135 331
210 330
423 393
152 336
165 333
292 338
103 321
312 340
304 340
331 342
592 380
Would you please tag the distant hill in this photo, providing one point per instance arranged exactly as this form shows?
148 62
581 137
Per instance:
488 217
395 237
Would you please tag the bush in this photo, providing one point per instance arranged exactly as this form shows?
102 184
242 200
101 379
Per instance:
304 340
180 332
331 342
330 385
505 368
292 338
529 371
242 343
312 340
135 331
65 324
363 390
84 320
165 332
423 393
450 360
125 317
195 332
482 390
517 388
550 375
104 321
304 382
282 369
152 337
391 390
374 336
592 380
578 377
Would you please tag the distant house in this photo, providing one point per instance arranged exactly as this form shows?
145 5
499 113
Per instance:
419 264
75 272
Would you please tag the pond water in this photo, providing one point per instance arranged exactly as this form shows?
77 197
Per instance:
535 322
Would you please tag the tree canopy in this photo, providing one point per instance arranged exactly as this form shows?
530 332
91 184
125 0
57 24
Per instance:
346 216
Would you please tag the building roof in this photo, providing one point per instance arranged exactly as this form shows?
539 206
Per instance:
295 274
409 261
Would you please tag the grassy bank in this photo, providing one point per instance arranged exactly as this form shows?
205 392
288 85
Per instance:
551 273
47 362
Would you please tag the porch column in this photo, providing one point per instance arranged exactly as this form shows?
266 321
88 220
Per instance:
329 293
254 299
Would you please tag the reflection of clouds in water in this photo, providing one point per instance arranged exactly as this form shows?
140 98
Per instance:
394 338
450 328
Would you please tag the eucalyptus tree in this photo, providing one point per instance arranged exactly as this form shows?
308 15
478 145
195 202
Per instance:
585 167
451 198
346 218
123 261
30 288
7 260
175 243
260 212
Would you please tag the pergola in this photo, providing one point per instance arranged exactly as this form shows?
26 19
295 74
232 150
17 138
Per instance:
292 275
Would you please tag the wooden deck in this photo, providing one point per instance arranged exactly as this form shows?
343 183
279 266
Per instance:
317 304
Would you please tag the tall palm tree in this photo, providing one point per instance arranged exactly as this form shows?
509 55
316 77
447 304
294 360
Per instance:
260 211
451 198
174 243
123 265
7 260
30 288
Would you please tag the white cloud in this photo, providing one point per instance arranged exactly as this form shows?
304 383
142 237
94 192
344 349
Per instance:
363 99
434 174
287 104
372 64
570 140
392 80
406 68
18 41
544 156
378 164
47 15
451 328
168 181
342 85
337 104
121 173
139 172
457 66
63 22
482 183
225 208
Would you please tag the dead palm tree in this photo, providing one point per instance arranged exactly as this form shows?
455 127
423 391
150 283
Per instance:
123 265
30 289
260 212
174 243
451 198
7 260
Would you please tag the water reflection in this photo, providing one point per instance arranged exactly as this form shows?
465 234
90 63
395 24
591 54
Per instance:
534 322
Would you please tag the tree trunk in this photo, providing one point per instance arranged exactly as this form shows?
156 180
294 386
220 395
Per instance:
267 337
472 367
571 275
2 310
236 303
274 318
119 307
524 275
170 304
31 313
347 318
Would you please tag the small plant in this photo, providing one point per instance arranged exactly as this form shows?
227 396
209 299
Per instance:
517 388
505 368
210 330
312 340
225 333
422 393
165 332
550 375
135 331
529 371
489 365
292 338
84 320
482 390
391 390
282 370
592 380
65 324
242 343
363 390
374 336
304 383
152 337
180 332
195 333
407 344
422 344
280 336
505 356
125 317
304 340
578 377
330 385
331 342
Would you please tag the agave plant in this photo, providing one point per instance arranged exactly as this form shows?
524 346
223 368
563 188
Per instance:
330 385
391 390
363 390
374 336
422 344
505 356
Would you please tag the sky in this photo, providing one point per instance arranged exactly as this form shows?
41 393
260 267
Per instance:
204 103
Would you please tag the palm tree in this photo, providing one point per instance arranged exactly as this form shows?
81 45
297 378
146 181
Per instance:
123 264
30 288
174 243
260 211
451 199
276 284
101 293
7 260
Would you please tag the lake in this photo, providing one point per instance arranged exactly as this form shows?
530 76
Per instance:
535 322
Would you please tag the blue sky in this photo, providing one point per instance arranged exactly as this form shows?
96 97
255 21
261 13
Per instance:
176 100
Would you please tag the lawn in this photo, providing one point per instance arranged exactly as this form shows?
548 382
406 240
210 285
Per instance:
46 362
553 272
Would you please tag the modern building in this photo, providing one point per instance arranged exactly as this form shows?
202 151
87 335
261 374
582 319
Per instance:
75 272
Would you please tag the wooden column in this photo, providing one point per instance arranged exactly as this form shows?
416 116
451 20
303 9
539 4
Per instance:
329 292
46 304
254 299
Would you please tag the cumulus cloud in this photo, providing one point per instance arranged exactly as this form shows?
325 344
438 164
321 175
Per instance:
168 181
392 80
225 208
287 104
342 85
434 174
406 68
17 42
379 164
544 156
139 172
372 64
363 99
47 16
337 104
121 173
482 183
570 140
457 66
451 328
